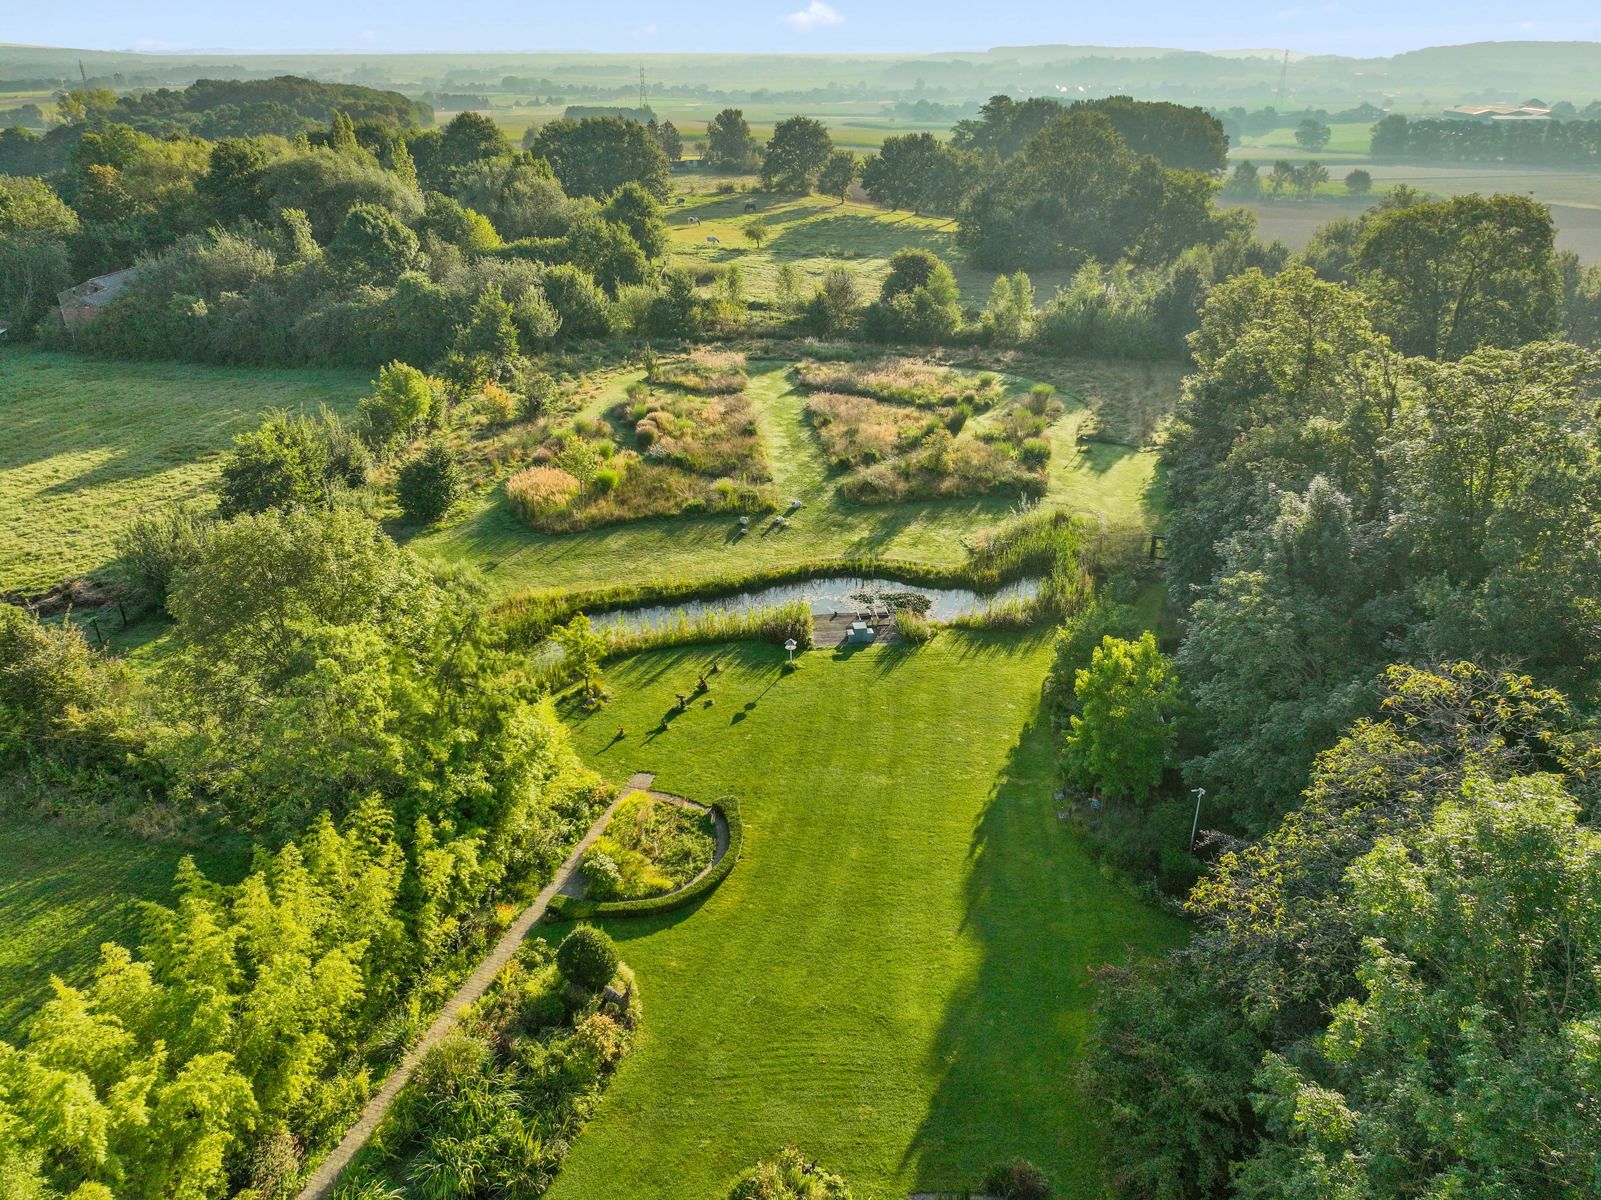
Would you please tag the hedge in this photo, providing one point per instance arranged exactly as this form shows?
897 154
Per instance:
573 908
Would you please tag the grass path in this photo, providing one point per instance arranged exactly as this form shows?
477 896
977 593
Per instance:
897 975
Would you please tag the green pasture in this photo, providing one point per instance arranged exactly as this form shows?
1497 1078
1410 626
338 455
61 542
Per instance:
816 232
897 974
91 444
1106 480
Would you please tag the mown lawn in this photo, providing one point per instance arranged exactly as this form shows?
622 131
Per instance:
65 892
91 444
897 975
1108 480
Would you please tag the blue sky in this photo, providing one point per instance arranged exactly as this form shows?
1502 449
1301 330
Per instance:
1316 26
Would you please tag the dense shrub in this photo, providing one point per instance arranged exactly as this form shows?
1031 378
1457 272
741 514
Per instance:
1019 1180
429 484
587 958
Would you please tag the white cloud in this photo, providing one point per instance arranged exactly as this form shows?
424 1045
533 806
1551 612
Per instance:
815 15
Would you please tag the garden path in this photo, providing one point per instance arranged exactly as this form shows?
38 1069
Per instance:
323 1179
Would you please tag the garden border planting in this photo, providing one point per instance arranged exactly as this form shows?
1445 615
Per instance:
726 812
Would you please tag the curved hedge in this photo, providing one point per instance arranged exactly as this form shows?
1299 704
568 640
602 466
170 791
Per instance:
573 908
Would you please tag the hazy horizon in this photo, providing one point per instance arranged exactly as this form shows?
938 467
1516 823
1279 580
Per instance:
1361 28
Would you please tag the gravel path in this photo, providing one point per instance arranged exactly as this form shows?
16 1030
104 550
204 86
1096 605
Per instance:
321 1184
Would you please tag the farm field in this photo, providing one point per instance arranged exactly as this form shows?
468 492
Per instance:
1097 478
1578 228
64 892
907 918
91 444
859 125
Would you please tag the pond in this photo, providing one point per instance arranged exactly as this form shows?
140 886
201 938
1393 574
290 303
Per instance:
823 597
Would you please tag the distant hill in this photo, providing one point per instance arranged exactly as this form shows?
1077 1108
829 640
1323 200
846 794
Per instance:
1419 80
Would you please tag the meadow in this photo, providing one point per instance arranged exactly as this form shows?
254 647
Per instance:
92 444
907 918
1101 479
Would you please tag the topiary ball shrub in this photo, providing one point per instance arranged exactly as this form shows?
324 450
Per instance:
587 958
1019 1180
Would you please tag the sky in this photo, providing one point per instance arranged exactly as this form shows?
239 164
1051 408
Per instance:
1357 27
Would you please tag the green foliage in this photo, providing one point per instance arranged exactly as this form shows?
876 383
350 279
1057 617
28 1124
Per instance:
1120 739
788 1175
1019 1180
286 463
587 958
796 154
429 484
401 400
372 246
1293 931
729 144
155 548
34 269
1478 972
596 156
1449 277
838 173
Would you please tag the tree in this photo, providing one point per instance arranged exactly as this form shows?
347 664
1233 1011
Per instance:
1009 316
838 173
1449 276
491 330
581 649
1311 134
729 144
519 195
1127 698
400 401
1282 176
282 464
634 208
672 144
1310 176
757 231
1358 182
597 155
34 269
833 305
1245 183
32 206
1462 1064
1076 192
372 246
796 153
429 484
901 173
587 958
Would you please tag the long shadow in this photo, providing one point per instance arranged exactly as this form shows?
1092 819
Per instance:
1010 1045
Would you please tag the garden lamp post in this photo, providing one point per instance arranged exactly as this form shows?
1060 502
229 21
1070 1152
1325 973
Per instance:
789 644
1195 825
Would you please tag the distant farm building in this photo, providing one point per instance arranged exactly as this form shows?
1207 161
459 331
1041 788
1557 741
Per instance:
1499 112
82 304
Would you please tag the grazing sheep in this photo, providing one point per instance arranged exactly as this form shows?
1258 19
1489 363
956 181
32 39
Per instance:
713 240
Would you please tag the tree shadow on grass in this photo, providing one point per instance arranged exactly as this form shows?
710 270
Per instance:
1009 1049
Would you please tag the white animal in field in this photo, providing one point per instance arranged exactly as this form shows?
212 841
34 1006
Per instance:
713 240
694 220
